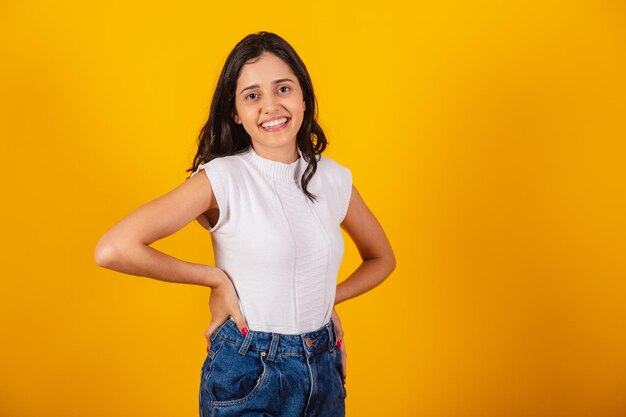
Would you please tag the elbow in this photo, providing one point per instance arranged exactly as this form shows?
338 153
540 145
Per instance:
105 254
392 263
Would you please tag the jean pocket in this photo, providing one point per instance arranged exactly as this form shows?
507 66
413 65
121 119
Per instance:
235 378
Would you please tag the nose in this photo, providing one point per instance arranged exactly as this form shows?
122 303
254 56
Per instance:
270 104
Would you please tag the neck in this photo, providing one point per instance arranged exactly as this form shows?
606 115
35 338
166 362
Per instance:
283 171
286 154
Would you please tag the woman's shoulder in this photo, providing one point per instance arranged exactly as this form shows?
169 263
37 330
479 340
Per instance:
331 173
230 163
331 165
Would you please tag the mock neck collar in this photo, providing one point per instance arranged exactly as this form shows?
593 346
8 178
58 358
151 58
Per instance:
274 169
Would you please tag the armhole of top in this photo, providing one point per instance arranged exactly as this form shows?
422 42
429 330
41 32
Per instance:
346 189
216 186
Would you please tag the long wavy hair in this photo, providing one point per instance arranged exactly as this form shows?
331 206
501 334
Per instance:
221 136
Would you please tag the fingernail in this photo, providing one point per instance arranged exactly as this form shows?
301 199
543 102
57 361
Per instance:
207 348
244 331
339 344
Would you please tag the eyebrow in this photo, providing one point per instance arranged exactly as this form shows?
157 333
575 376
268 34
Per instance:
280 80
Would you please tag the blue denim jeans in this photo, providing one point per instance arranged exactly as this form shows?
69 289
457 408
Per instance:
272 374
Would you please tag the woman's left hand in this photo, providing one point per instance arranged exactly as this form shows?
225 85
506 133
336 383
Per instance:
340 342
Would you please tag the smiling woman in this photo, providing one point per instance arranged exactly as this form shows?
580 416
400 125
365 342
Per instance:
275 207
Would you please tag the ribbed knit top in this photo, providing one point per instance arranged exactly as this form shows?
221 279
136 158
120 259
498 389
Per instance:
281 251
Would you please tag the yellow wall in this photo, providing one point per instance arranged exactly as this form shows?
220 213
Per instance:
487 137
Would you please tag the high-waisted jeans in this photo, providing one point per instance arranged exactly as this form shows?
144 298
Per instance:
267 374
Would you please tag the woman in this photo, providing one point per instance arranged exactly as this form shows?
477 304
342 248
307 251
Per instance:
275 208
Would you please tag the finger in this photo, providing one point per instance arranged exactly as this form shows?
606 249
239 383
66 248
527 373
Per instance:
339 332
241 323
338 335
344 357
209 332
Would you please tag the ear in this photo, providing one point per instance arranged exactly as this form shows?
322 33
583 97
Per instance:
236 118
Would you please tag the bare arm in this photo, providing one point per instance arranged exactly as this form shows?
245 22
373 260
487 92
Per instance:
126 246
373 246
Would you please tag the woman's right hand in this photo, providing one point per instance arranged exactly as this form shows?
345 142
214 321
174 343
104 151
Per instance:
223 304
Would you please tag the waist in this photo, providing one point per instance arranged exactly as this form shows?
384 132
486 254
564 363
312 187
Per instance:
303 343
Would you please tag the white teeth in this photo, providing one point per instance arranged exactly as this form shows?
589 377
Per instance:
276 122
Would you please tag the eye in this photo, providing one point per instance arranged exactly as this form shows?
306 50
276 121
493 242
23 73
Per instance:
251 94
284 86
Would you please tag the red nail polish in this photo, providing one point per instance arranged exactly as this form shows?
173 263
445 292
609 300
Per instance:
338 344
244 331
207 348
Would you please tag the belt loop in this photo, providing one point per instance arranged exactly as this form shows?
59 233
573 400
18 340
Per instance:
273 347
246 343
331 334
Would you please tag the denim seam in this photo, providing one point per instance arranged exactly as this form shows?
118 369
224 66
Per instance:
273 347
210 369
246 343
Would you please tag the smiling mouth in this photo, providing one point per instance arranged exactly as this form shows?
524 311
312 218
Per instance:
275 125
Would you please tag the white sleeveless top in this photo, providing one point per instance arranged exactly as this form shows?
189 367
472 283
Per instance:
281 251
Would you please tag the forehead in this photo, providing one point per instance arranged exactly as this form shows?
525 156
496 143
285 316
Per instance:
264 69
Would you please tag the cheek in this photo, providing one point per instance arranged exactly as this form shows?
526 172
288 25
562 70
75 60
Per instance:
247 118
299 105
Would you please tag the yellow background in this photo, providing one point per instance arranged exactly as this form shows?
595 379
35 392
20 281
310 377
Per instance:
487 137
